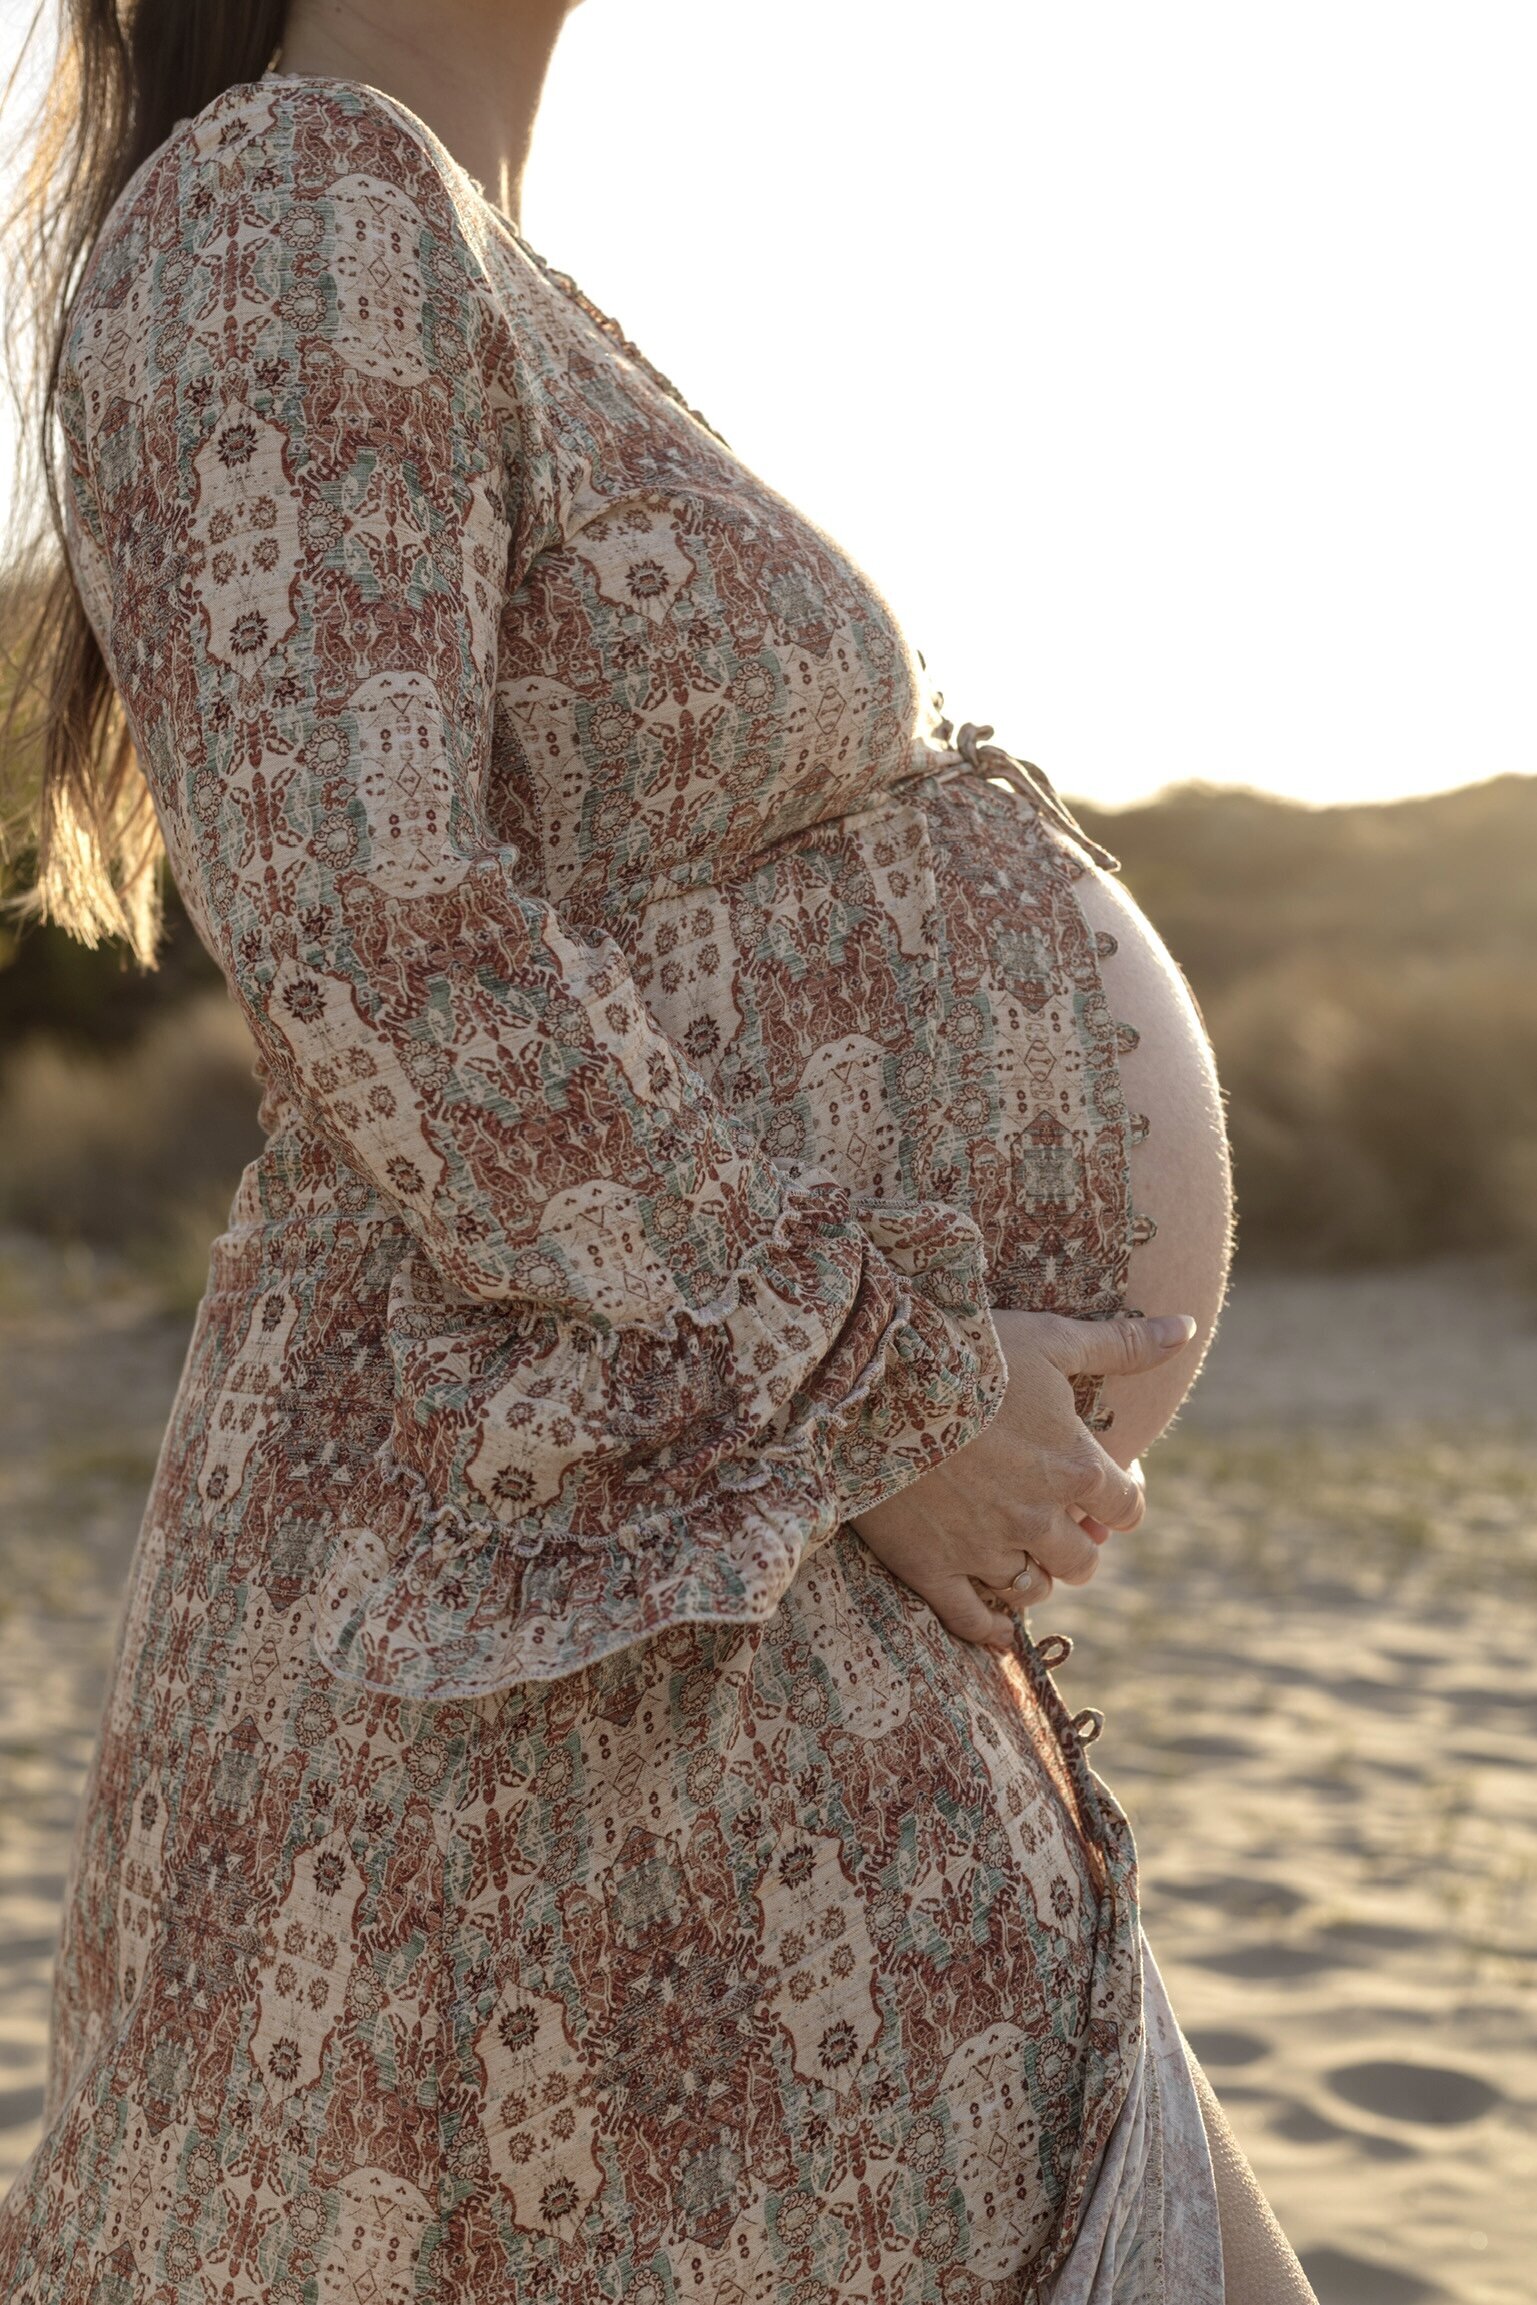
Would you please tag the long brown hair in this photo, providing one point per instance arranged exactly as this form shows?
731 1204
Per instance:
73 804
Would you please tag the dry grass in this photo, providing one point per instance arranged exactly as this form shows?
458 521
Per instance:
1383 1113
138 1149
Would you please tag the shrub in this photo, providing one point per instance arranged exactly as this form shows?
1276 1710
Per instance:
115 1148
1381 1113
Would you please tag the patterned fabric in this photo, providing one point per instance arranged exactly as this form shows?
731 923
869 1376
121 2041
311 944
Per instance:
534 1850
1151 2230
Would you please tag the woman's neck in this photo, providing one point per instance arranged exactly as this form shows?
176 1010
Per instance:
473 70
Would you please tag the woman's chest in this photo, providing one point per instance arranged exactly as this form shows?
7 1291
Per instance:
689 669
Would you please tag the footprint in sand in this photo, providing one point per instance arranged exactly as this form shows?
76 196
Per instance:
1300 2125
1397 2090
1376 1936
19 2106
1269 1960
1341 2279
1210 1745
1397 1696
1240 1894
20 1952
1225 2045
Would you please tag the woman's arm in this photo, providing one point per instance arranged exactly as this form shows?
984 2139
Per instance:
639 1368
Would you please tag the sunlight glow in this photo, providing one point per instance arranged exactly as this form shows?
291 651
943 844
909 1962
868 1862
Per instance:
1171 369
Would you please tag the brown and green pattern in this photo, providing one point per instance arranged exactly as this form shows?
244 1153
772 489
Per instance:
535 1851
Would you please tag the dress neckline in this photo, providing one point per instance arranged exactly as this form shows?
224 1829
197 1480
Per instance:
562 281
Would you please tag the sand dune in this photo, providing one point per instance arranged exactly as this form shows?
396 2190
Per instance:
1319 1669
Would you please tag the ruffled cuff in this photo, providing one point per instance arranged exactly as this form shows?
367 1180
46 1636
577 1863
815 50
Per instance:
551 1493
943 1379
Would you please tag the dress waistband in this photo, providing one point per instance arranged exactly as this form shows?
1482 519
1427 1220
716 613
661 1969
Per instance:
963 752
975 757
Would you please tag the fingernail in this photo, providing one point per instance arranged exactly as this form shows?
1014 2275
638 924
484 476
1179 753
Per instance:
1172 1328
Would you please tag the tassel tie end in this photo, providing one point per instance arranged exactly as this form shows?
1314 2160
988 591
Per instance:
1032 783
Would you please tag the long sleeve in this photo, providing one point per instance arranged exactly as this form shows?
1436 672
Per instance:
638 1367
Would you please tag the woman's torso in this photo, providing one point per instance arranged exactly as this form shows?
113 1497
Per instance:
715 743
750 1928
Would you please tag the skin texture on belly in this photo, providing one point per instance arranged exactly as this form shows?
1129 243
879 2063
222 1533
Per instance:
1181 1175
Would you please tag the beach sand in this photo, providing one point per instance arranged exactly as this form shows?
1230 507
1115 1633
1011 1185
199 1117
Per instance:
1318 1663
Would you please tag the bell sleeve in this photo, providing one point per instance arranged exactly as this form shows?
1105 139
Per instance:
637 1368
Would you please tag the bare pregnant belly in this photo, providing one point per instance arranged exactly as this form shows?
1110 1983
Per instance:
1180 1175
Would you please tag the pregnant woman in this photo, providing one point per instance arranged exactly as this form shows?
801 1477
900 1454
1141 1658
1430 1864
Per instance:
578 1814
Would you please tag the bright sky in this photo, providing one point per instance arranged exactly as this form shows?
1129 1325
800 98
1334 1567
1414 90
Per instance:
1171 369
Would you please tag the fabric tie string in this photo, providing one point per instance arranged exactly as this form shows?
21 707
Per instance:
1032 783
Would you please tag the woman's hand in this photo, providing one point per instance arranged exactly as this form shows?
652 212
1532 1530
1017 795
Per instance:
1035 1488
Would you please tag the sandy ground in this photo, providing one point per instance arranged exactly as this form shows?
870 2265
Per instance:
1318 1662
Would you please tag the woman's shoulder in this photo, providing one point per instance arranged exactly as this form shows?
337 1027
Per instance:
250 206
259 145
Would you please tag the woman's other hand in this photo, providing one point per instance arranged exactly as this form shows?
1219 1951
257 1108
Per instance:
1036 1486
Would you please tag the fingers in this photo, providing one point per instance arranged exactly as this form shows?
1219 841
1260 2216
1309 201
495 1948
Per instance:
1038 1587
1124 1347
960 1533
1029 1587
961 1609
1063 1537
1105 1491
1066 1550
1094 1497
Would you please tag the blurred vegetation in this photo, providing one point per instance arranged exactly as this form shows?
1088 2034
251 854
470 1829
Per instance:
135 1147
1368 975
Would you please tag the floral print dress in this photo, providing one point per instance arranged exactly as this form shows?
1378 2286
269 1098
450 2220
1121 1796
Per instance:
534 1850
